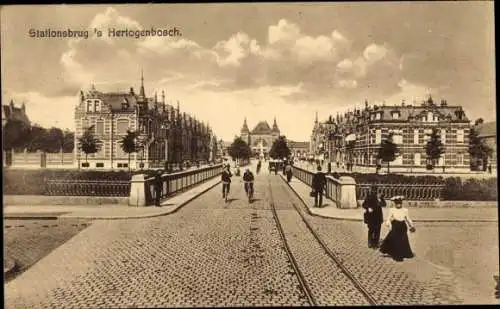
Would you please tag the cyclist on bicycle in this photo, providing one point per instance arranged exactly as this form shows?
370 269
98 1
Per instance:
248 179
226 180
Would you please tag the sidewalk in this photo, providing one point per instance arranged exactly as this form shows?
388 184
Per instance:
329 210
107 212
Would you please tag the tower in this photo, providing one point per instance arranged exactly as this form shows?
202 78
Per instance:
245 133
275 130
142 92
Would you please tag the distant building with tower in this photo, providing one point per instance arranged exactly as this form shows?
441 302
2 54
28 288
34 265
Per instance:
261 138
11 112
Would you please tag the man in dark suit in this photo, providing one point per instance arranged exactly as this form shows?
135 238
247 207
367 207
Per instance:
318 185
373 216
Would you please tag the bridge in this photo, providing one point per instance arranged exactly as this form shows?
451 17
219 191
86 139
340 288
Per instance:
198 250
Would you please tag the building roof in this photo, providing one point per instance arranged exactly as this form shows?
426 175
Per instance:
488 129
10 112
262 128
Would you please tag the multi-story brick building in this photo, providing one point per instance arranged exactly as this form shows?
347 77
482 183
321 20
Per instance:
488 134
164 133
410 125
320 146
262 136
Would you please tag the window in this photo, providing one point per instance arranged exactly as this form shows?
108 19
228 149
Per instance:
97 106
415 136
100 164
89 106
99 127
416 158
441 161
460 136
378 136
85 164
460 159
443 136
377 116
122 126
398 160
430 117
395 115
397 138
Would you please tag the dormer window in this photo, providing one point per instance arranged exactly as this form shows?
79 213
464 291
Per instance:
97 106
430 117
90 106
395 115
378 116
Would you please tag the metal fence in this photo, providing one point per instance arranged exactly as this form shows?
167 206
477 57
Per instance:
76 187
421 192
412 191
176 182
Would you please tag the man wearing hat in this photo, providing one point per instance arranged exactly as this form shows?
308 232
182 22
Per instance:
373 216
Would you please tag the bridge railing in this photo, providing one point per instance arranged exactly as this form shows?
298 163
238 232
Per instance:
421 192
341 191
143 189
57 187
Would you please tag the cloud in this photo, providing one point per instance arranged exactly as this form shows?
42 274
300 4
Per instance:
350 84
49 111
374 52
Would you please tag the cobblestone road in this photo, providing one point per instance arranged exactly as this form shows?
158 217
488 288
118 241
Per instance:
215 254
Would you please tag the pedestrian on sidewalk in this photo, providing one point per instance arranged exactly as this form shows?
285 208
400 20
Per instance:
329 168
318 185
396 243
158 188
288 172
259 164
373 216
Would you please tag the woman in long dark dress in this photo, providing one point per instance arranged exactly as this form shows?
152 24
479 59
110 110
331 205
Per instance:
396 243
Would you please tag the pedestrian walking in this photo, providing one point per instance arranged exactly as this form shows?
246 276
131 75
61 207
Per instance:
158 188
259 164
373 216
288 172
396 243
318 185
329 166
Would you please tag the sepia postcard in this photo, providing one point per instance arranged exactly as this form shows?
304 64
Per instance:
249 154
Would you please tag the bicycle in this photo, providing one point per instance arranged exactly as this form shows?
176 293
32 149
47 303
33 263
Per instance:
249 190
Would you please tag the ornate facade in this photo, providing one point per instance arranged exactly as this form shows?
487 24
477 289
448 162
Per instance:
262 136
410 125
165 134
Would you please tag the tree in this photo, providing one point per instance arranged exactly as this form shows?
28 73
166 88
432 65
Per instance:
16 134
129 145
279 149
434 148
68 141
239 149
478 150
88 143
387 151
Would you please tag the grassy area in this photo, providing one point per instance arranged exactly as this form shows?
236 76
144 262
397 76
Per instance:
28 241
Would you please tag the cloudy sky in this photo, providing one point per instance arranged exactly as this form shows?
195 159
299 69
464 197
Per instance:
254 60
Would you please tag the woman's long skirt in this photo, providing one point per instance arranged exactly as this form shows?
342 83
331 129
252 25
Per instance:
396 243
